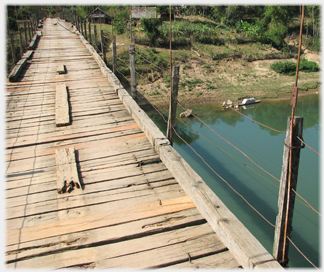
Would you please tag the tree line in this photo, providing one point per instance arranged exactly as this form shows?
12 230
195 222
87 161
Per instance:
263 23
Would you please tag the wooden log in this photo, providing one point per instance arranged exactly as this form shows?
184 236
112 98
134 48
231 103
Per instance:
62 109
283 227
66 169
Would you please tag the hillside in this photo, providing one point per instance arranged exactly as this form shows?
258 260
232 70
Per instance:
215 73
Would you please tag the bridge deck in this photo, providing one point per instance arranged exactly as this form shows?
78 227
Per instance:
131 212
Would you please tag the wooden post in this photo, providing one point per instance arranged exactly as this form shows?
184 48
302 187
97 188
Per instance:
102 45
89 25
25 28
173 102
12 48
21 43
85 30
95 37
30 36
81 23
114 54
130 26
132 70
284 220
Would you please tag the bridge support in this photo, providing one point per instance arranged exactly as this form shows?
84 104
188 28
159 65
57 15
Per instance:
288 184
132 70
173 102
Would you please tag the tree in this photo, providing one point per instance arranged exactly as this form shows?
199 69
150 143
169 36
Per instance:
151 30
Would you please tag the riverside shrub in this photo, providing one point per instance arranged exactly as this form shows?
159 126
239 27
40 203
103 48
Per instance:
289 67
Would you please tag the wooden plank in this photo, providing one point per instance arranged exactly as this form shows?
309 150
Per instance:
99 220
138 228
60 68
67 172
219 260
180 241
17 69
28 54
33 42
62 109
83 200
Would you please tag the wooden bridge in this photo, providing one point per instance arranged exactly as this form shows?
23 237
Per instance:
91 182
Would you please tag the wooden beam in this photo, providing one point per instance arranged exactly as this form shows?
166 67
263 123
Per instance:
173 103
62 109
60 69
66 171
283 227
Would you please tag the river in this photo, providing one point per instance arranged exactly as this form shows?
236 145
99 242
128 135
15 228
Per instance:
265 147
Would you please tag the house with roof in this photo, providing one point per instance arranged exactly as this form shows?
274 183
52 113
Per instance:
138 13
98 16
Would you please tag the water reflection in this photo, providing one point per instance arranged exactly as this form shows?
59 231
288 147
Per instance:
265 147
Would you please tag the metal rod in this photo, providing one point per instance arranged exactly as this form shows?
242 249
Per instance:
291 134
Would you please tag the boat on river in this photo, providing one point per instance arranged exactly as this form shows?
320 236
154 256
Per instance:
248 101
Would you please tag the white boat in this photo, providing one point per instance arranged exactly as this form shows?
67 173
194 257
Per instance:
247 101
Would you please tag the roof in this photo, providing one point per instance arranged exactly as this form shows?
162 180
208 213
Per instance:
98 12
143 12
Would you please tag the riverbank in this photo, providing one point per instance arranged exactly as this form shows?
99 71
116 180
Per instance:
215 82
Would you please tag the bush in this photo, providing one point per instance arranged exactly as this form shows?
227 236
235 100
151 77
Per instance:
308 66
277 36
12 24
151 30
289 67
119 23
209 40
284 67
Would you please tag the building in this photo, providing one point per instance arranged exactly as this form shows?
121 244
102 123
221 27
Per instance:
98 16
138 13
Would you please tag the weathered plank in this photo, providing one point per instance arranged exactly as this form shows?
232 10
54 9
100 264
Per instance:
98 220
33 42
62 109
17 69
126 231
221 260
67 172
60 68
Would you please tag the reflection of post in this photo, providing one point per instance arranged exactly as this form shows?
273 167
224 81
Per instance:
132 70
286 192
173 102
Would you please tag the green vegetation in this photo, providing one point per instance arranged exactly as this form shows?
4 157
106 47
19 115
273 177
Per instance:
289 67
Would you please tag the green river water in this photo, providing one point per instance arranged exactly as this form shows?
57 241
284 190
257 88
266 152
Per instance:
265 147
